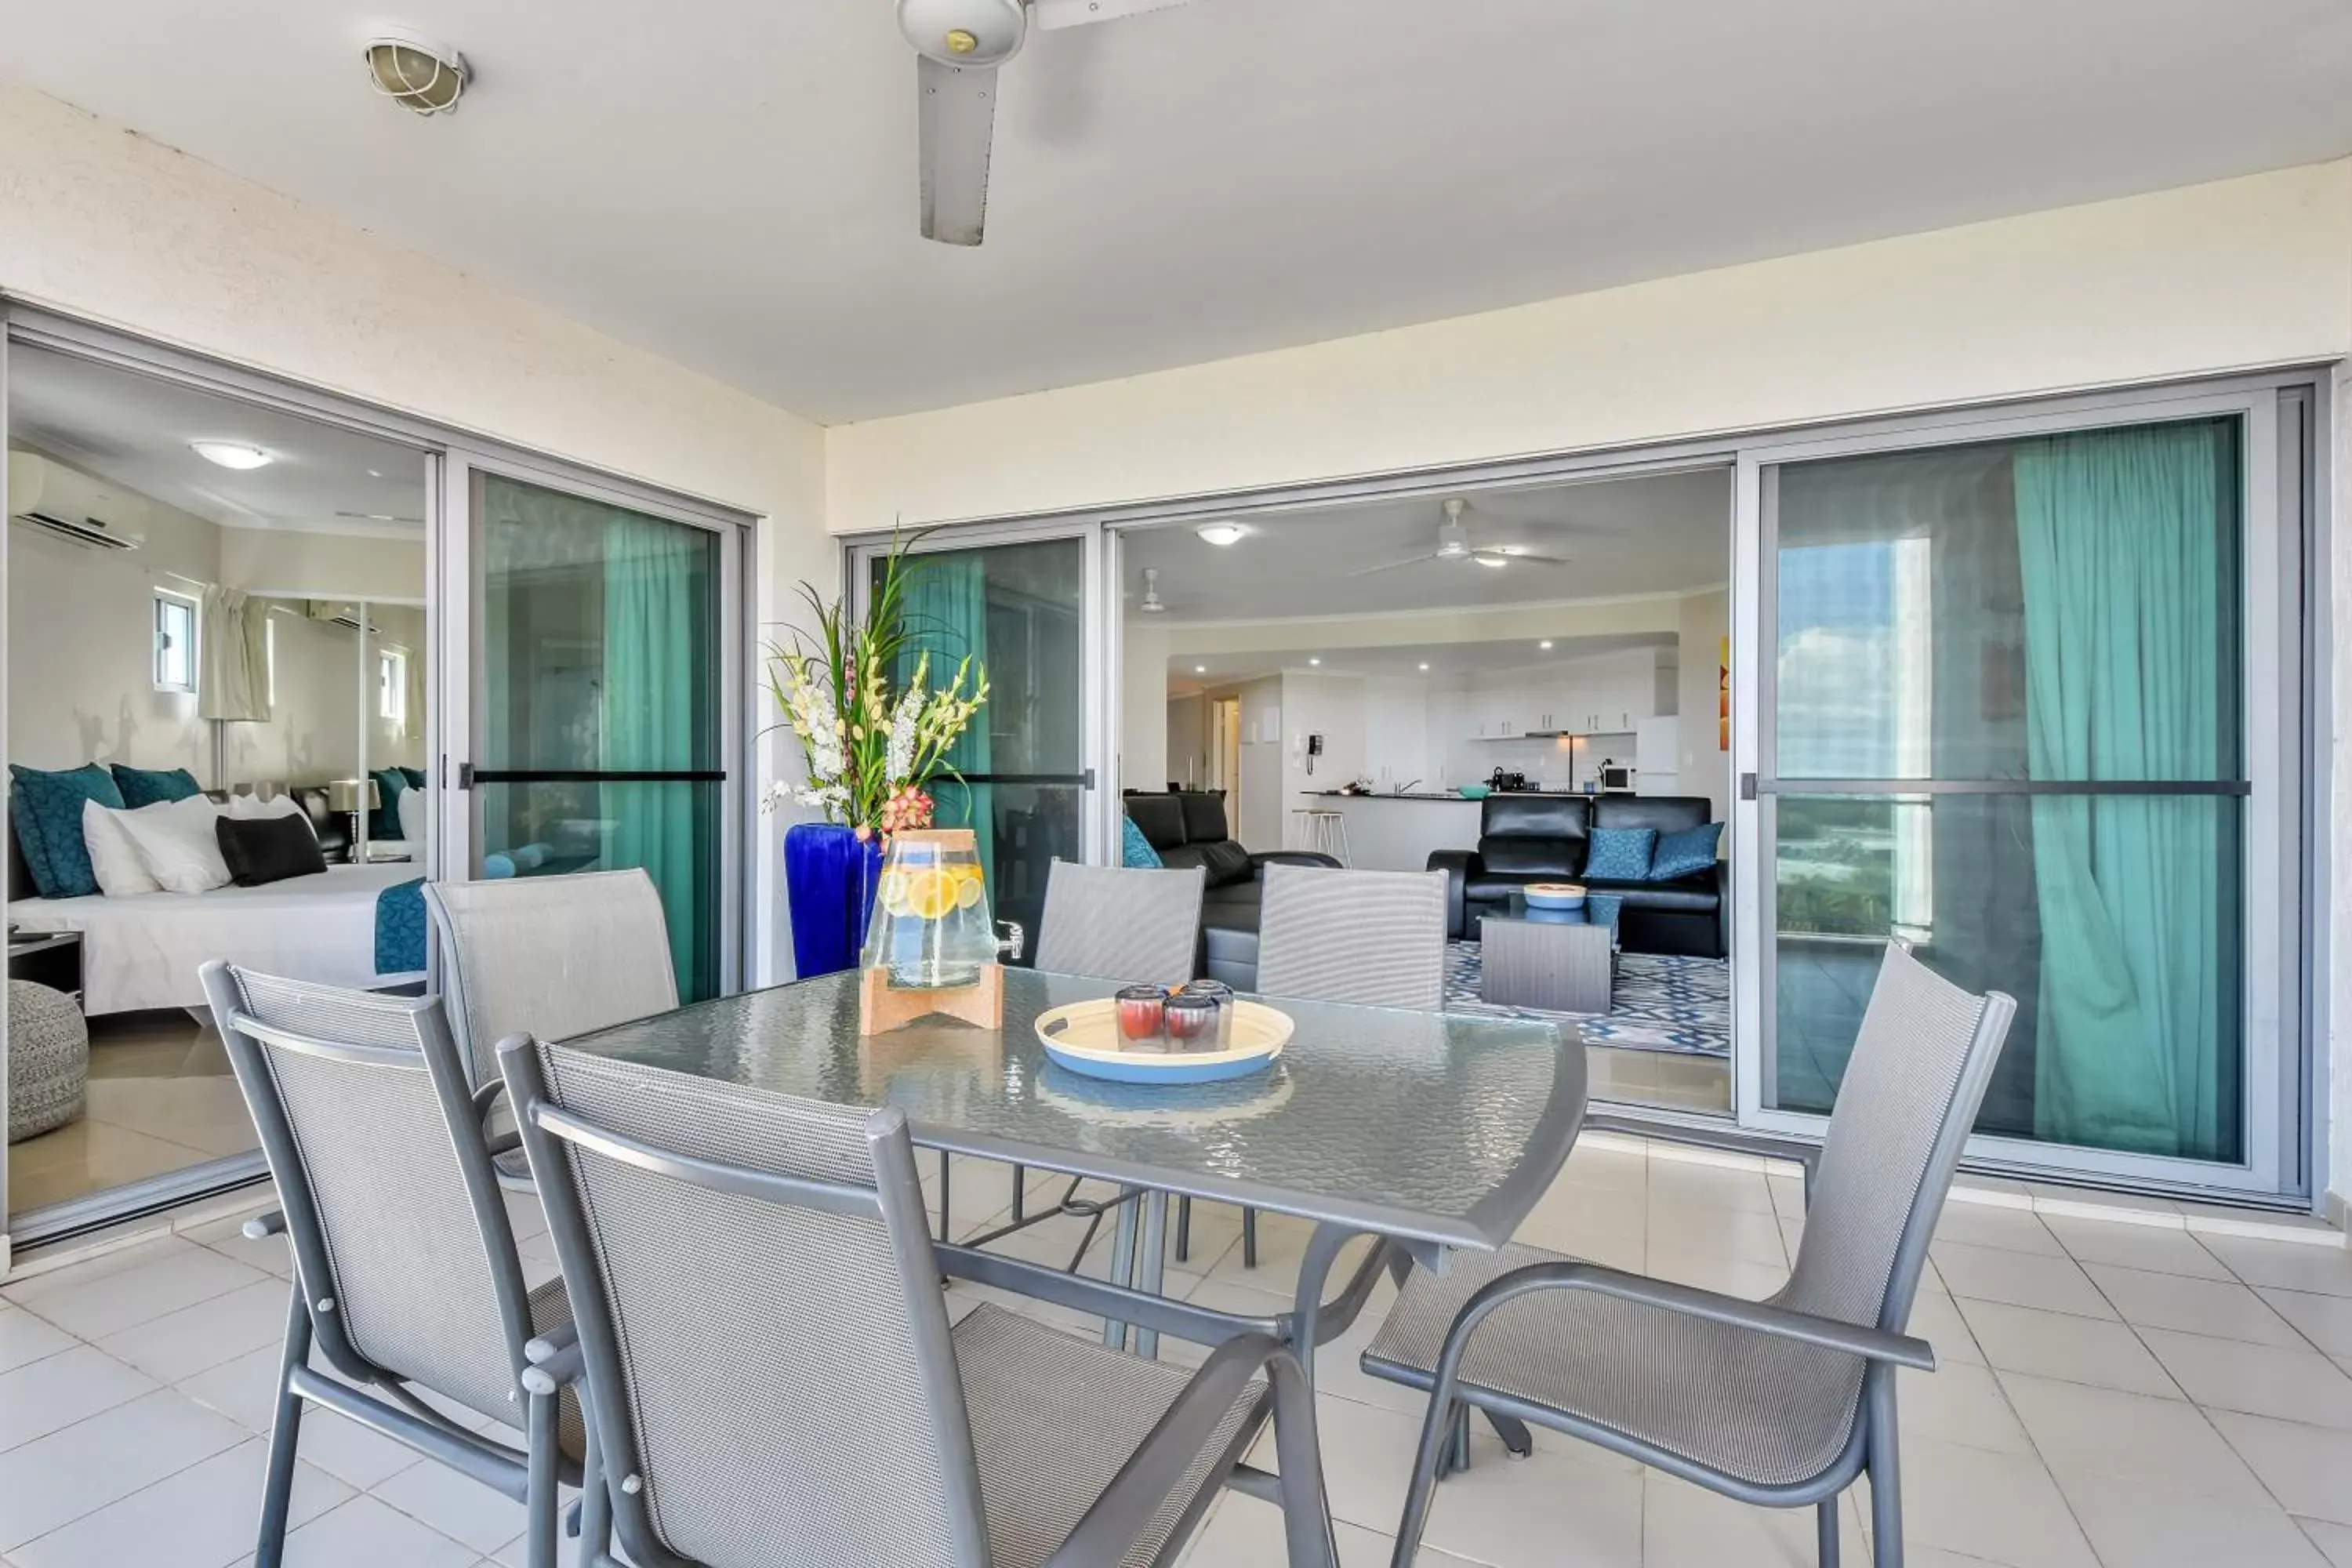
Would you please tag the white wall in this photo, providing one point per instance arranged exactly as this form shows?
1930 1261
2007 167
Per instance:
1331 706
1396 733
1259 822
1704 767
107 225
1142 705
1186 755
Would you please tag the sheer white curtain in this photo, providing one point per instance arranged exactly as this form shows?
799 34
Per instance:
232 673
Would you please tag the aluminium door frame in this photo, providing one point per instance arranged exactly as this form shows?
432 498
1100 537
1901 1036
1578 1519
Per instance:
2279 1020
40 327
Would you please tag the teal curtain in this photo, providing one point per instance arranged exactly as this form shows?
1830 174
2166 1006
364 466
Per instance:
2127 544
657 702
946 612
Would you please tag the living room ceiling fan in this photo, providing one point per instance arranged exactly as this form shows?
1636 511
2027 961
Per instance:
959 45
1454 545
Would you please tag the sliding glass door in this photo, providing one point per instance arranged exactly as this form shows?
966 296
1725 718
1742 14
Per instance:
2026 697
1020 609
602 694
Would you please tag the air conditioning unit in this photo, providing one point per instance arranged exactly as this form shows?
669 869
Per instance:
46 495
340 613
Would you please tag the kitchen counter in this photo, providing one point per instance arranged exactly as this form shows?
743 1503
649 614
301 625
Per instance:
1380 840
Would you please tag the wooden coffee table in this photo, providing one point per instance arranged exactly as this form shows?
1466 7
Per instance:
1559 961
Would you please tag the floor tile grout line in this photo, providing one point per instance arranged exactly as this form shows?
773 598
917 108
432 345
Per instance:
247 1435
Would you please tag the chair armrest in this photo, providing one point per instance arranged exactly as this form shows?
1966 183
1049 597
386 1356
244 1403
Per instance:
1457 865
1151 1475
269 1222
1735 1311
1260 859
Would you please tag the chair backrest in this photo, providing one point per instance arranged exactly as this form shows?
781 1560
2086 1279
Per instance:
1918 1072
1664 812
550 956
1376 938
759 1313
1525 834
1143 927
400 1236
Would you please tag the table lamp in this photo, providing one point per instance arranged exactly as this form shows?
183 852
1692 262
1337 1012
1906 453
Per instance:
353 798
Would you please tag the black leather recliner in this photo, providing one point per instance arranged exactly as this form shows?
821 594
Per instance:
1526 838
1187 828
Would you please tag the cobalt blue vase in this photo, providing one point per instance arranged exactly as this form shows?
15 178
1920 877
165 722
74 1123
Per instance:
829 880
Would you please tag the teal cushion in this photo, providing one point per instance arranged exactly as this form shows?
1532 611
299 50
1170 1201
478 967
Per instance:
1685 853
415 777
384 822
1136 851
149 787
47 810
1620 854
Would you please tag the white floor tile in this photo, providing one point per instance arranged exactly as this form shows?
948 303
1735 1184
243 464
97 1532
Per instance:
1949 1492
2308 1468
243 1388
2325 1320
2322 1268
1981 1224
2080 1430
202 1517
1938 1320
2020 1279
56 1479
1709 1270
1243 1533
2292 1384
183 1343
2155 1249
1605 1211
1684 1526
2062 1345
349 1451
1738 1234
1550 1511
226 1237
27 1337
455 1505
56 1390
98 1266
1959 1404
1685 1182
2334 1540
2222 1308
179 1278
2135 1525
365 1533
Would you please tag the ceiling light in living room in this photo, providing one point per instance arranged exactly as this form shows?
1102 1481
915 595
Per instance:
1424 667
230 454
1544 645
1315 661
1220 532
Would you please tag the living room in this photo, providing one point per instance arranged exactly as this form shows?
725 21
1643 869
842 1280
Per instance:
1469 683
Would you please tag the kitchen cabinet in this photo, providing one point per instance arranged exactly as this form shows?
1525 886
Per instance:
1608 696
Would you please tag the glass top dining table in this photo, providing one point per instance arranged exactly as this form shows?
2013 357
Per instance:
1434 1129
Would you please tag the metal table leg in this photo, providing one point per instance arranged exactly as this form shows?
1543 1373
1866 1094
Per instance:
1152 1273
1122 1270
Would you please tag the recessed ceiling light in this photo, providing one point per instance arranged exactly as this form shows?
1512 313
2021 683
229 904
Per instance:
230 454
1545 644
1200 670
1424 667
375 473
1313 661
1220 532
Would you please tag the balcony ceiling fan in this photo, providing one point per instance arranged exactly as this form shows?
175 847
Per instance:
958 44
1455 547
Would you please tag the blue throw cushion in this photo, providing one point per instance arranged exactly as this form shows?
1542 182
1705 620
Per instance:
384 822
1685 853
1620 854
47 810
1137 852
148 786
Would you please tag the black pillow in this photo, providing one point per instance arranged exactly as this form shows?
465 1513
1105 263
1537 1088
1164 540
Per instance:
1225 861
263 849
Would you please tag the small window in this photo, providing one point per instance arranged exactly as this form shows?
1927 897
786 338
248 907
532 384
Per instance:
269 660
175 642
391 687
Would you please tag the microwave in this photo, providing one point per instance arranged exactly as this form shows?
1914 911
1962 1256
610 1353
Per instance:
1616 778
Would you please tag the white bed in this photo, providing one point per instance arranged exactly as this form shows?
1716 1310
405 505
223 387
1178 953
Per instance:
143 951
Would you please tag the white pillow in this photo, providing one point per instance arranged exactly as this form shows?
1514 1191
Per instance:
113 858
246 805
412 818
178 845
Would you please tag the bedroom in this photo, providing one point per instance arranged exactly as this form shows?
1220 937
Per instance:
216 730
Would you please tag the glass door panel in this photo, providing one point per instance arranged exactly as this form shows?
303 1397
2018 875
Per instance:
597 708
2004 720
1017 609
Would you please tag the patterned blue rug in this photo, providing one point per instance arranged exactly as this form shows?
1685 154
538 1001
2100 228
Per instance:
1662 1002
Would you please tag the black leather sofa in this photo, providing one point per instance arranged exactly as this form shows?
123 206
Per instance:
1526 838
1187 828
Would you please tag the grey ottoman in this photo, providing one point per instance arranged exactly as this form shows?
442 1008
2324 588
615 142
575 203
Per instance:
49 1059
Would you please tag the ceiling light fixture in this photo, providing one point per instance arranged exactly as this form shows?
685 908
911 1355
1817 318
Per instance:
1200 670
1497 561
1544 645
421 77
1424 667
1221 533
230 454
1313 661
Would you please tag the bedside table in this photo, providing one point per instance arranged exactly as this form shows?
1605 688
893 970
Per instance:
48 958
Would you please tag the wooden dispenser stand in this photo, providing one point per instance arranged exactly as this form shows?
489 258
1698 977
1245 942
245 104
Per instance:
881 1008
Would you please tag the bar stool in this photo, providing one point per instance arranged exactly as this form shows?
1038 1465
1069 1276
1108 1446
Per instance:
1324 831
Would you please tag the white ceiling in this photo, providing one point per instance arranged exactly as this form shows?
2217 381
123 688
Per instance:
1656 534
733 185
1429 661
134 430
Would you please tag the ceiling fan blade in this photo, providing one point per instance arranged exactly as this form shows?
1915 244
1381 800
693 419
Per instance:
1489 556
959 120
1391 565
1052 14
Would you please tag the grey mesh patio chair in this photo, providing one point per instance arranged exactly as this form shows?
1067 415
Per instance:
1113 922
772 1370
406 1279
1376 939
557 956
1782 1402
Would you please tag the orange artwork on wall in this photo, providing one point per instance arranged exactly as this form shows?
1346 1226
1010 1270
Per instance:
1723 699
